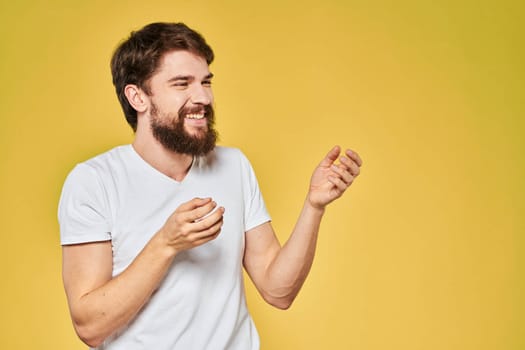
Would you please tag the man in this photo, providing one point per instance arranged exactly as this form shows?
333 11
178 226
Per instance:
155 234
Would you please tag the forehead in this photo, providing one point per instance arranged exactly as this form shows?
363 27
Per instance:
185 63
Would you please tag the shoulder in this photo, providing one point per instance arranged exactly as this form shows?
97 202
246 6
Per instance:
93 171
114 157
104 162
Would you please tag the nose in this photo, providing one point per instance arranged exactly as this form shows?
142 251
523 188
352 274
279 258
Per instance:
201 95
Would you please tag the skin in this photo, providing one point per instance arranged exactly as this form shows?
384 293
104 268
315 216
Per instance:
101 304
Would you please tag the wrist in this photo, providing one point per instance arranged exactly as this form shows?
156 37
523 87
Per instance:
162 242
314 207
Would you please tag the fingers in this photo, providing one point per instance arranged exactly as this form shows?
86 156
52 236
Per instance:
205 229
350 165
330 157
193 223
339 184
208 234
199 213
209 221
192 204
354 156
343 173
195 209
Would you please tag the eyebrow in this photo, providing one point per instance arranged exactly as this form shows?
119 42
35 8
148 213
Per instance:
188 77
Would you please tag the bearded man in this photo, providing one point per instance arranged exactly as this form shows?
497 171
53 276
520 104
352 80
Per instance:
155 234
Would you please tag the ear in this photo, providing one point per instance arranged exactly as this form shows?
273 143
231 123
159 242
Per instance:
136 98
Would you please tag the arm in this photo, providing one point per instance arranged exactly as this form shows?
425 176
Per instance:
100 304
278 273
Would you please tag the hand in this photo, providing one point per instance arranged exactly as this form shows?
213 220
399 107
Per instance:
329 180
192 225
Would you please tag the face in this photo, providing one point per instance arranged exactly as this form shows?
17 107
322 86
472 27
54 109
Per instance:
181 113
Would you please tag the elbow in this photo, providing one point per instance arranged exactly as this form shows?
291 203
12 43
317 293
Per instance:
89 335
91 327
281 302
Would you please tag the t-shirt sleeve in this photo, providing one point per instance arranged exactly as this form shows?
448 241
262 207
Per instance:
255 212
83 213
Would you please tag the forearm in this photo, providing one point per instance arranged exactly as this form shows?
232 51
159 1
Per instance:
100 304
279 273
289 269
102 311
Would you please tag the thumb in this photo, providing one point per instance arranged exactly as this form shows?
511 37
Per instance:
330 157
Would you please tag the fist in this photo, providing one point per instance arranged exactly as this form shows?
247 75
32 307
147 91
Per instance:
193 223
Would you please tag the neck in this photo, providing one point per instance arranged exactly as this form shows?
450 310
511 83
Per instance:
172 164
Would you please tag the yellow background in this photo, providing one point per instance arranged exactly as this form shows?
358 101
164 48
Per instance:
426 249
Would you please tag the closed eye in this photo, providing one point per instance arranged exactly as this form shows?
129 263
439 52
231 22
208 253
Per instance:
207 80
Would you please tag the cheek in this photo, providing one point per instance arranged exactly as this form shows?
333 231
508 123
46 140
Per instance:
173 99
173 106
180 102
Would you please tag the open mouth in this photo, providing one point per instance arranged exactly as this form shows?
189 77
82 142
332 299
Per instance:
195 115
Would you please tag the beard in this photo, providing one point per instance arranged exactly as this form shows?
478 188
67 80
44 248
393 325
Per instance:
171 134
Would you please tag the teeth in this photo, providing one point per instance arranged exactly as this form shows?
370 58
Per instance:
195 116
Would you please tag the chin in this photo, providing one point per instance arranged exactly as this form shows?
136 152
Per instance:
200 133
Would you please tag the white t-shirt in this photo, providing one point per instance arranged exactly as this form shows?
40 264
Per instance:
200 304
